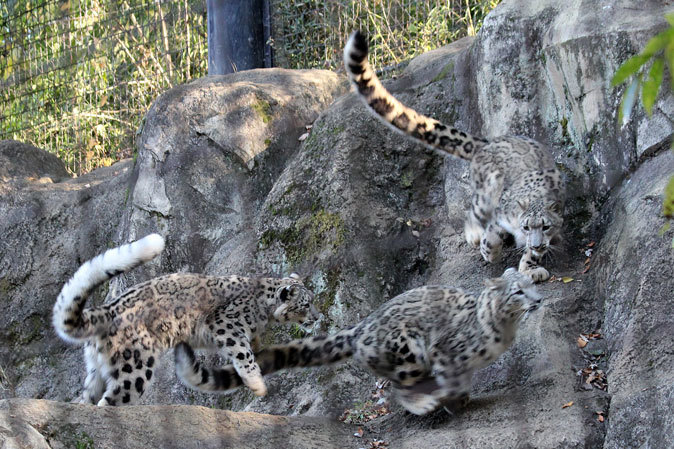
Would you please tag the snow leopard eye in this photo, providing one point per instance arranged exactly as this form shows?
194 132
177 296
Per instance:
546 227
525 227
519 292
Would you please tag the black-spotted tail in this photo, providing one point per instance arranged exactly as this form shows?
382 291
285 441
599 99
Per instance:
431 132
312 351
200 377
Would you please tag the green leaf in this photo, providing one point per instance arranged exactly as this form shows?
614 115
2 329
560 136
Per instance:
629 68
658 42
665 227
628 101
668 203
650 87
670 18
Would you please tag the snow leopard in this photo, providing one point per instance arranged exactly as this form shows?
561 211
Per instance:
516 186
124 338
427 341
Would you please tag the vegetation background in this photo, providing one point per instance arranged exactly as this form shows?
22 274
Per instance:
645 74
77 76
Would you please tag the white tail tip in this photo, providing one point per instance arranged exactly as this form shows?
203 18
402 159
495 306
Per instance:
150 246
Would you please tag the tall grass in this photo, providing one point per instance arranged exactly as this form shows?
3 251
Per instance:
312 33
77 76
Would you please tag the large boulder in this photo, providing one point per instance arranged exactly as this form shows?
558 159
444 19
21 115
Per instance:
188 182
364 214
50 224
40 424
634 277
22 161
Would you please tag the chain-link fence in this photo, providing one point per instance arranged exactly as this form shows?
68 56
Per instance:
312 33
77 76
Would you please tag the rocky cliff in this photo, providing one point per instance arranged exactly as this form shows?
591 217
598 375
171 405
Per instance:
363 214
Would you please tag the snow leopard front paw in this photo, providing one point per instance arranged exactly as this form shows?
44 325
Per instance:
473 234
420 404
489 251
538 274
417 403
491 244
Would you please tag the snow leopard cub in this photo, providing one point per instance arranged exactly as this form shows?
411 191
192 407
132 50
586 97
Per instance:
428 341
124 338
516 186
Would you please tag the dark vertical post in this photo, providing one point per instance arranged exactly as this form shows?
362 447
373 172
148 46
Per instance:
235 35
266 28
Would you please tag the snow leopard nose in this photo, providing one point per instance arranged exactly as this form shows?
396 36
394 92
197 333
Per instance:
540 247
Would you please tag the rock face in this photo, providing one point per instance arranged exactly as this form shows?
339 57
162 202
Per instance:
35 164
634 279
40 424
364 214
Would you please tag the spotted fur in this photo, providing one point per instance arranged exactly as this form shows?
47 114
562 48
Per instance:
124 338
516 186
428 341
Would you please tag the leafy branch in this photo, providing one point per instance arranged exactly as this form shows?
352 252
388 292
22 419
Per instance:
659 51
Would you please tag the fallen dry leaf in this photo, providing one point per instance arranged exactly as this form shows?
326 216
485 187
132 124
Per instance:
303 137
568 404
590 245
567 279
582 342
600 418
359 433
591 336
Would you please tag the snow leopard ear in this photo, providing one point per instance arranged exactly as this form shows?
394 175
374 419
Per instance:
555 206
295 276
284 292
496 284
523 203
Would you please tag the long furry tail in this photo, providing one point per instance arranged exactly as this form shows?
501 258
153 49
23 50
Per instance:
431 132
69 318
312 351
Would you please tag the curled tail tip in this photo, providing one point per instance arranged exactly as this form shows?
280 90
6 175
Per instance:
355 52
359 41
150 246
184 355
184 363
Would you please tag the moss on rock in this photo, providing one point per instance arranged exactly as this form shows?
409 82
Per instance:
309 235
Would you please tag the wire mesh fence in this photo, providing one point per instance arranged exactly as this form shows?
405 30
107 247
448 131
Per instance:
77 76
312 33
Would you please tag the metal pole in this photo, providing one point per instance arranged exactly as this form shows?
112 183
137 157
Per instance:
235 35
266 28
